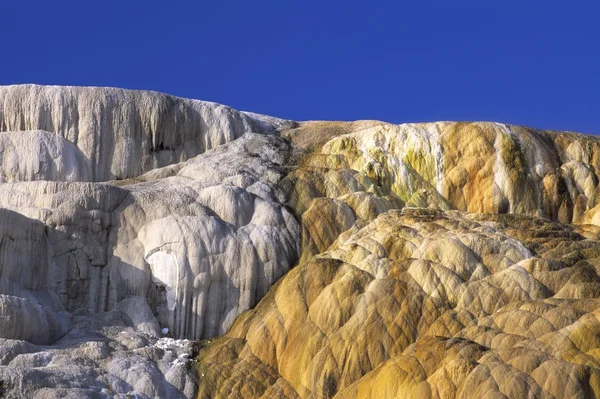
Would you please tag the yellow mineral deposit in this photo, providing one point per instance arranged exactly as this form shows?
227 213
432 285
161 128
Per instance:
157 246
438 260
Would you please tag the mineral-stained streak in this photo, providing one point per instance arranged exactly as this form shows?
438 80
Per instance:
156 246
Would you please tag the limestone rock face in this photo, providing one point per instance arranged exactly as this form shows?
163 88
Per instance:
181 250
124 133
422 303
202 243
101 356
23 320
40 155
313 259
427 301
207 240
140 314
474 167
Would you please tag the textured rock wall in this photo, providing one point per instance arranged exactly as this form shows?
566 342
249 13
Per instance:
40 155
124 133
428 303
476 167
424 303
101 356
205 209
75 223
206 241
106 243
202 244
97 272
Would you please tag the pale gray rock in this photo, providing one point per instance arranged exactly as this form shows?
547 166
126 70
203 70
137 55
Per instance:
91 361
10 348
21 319
41 155
190 239
199 244
23 252
124 133
200 240
63 251
137 309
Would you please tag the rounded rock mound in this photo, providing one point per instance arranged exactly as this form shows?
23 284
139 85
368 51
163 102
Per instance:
41 155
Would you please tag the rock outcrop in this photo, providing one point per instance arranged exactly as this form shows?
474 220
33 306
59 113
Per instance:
181 250
41 155
429 300
124 133
102 355
320 259
423 303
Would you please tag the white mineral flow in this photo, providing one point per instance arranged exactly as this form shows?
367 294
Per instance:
41 155
214 206
124 133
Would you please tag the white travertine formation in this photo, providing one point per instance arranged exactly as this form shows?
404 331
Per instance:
201 249
140 314
21 319
101 356
126 215
208 241
40 155
124 133
215 223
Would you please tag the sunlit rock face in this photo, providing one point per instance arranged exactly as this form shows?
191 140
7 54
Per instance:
41 155
123 133
207 240
179 251
438 260
422 303
202 240
313 259
474 167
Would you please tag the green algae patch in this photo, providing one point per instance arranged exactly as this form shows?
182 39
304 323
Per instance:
424 163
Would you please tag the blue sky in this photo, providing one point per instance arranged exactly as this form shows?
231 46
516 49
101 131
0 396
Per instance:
524 62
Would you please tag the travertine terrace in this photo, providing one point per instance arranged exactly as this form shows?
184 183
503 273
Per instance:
164 247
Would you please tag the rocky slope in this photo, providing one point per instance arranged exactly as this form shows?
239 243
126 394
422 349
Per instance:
438 260
338 259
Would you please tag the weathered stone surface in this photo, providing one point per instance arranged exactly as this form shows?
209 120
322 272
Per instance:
40 155
427 303
102 356
206 242
475 167
20 319
183 249
124 133
424 304
202 243
140 314
441 259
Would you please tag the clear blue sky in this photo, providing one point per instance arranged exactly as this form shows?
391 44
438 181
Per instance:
525 62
